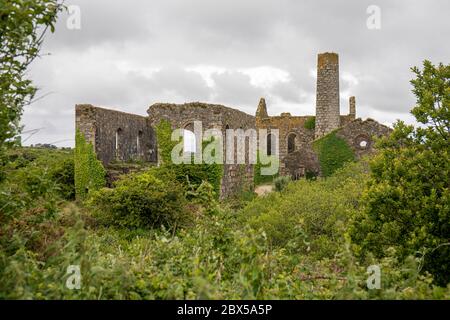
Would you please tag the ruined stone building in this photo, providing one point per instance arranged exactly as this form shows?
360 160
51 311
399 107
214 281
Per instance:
118 136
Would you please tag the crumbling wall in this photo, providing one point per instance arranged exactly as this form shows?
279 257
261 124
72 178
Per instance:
360 134
288 126
212 116
115 135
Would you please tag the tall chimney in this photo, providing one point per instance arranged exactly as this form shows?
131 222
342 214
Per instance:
327 94
352 106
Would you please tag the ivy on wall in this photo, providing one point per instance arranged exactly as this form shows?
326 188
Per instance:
89 171
194 174
165 143
333 153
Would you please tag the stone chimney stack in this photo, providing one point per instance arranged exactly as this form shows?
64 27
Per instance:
261 112
352 106
327 94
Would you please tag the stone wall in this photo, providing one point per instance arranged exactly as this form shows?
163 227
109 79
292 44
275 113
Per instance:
115 135
288 126
213 116
302 159
360 135
327 94
352 106
124 137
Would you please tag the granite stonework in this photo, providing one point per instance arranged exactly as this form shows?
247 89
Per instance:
116 135
122 137
212 116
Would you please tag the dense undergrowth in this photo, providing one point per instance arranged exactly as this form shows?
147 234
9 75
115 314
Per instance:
293 244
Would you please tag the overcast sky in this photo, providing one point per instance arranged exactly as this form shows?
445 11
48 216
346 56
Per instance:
130 54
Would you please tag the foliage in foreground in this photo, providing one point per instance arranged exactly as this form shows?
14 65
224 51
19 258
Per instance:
408 199
310 240
23 25
223 255
35 178
146 200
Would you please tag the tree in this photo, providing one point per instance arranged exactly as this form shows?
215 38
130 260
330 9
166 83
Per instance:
408 197
23 24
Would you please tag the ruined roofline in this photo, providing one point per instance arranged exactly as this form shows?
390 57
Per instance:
299 116
85 106
366 121
281 116
197 104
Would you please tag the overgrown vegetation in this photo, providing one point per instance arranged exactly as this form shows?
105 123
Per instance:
281 182
149 199
187 174
333 153
89 172
288 245
35 178
162 234
408 197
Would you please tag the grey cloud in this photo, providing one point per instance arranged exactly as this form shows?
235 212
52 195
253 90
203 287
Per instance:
286 34
234 88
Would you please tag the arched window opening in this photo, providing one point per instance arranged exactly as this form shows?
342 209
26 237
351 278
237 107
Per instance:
189 141
118 143
139 143
270 145
291 142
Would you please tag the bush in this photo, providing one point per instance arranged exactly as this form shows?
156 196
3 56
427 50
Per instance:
64 175
310 215
35 178
281 182
143 200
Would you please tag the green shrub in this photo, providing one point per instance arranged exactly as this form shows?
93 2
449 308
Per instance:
35 178
281 182
312 214
408 196
333 153
143 200
64 175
